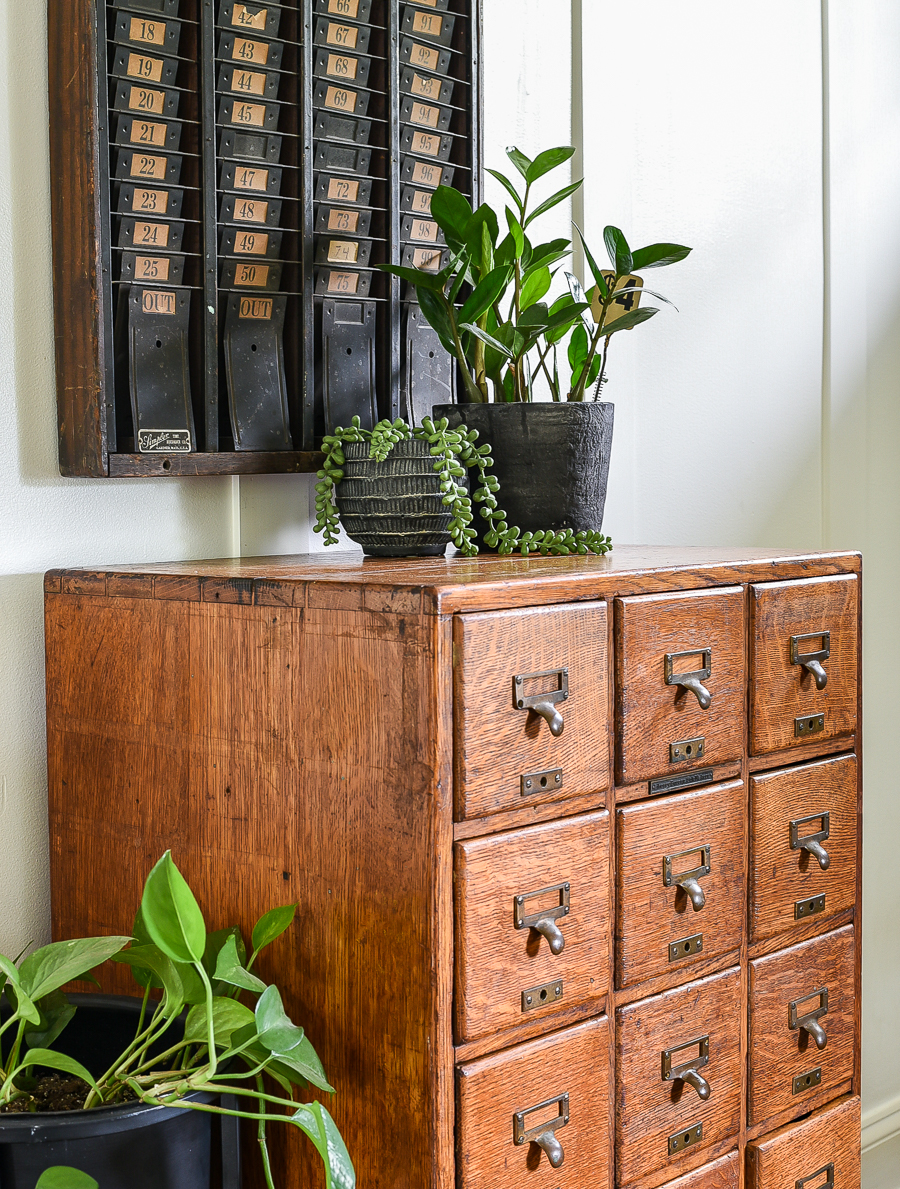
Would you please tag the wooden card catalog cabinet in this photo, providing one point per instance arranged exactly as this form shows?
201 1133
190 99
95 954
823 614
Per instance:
226 177
540 945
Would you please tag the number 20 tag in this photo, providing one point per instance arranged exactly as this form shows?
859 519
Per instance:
628 298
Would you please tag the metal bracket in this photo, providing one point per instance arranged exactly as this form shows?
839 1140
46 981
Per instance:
544 1134
687 749
692 681
809 1021
809 908
685 1139
828 1183
689 880
812 661
809 724
543 704
686 947
544 921
541 996
533 783
812 842
688 1071
807 1081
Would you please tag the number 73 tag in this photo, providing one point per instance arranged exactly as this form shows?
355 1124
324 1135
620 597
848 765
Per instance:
628 298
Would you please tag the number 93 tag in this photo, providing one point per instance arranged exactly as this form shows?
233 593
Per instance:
628 298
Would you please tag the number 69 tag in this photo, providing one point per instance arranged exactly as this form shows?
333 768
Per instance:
628 298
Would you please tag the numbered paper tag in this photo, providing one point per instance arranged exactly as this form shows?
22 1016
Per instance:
628 298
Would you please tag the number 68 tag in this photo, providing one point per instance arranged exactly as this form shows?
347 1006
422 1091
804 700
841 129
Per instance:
628 298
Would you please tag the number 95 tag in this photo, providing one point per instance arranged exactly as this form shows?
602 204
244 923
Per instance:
628 298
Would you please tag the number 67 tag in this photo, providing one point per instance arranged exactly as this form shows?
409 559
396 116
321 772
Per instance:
628 298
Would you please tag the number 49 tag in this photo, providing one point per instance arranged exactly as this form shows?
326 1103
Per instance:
628 298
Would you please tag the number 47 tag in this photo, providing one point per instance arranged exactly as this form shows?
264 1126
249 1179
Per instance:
628 298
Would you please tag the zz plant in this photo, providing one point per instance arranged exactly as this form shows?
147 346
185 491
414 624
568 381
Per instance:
455 452
251 1051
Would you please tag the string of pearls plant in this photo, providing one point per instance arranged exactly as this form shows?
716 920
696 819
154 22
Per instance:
455 452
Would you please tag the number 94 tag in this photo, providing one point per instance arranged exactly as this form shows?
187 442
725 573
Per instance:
628 298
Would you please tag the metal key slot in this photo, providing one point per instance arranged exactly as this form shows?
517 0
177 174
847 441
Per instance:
692 680
688 1071
543 703
812 661
684 1139
807 1081
541 996
544 1134
809 1021
812 842
826 1171
685 947
689 880
544 920
687 749
809 724
809 908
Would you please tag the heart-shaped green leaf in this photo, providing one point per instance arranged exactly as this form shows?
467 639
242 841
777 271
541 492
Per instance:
50 967
658 256
48 1059
316 1122
229 1017
229 969
277 1032
548 160
56 1012
171 914
271 926
63 1176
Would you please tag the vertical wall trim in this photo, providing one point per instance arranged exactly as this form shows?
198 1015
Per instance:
578 131
826 283
235 515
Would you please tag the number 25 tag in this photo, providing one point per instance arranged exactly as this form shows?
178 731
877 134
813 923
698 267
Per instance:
628 298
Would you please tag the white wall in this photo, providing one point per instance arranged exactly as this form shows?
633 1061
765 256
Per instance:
766 412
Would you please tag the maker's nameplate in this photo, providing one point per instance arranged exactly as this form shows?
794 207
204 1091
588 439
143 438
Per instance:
164 441
685 780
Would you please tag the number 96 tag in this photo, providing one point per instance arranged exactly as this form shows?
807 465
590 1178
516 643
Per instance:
628 298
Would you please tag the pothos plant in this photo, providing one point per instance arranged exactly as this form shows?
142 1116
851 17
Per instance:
487 305
455 452
250 1051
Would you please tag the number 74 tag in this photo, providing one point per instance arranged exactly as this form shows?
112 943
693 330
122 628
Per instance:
628 298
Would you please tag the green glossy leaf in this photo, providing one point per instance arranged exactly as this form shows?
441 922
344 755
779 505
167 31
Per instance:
150 958
658 256
48 1059
554 200
300 1066
415 276
548 254
56 1012
171 914
316 1122
229 1017
566 316
518 235
506 252
548 160
277 1032
521 162
452 212
482 234
492 342
230 969
50 967
629 321
558 332
536 285
578 349
21 1001
596 271
215 942
437 317
63 1176
535 316
485 295
271 926
619 251
508 186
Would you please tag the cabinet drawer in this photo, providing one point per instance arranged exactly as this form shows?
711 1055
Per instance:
787 1067
663 926
549 1098
793 703
532 923
663 727
802 820
807 1155
661 1117
724 1173
531 706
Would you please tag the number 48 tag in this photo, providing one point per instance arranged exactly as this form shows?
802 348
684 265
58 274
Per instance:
628 298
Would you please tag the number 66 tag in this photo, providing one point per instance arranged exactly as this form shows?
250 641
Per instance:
628 298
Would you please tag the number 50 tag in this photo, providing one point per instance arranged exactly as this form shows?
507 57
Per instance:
628 298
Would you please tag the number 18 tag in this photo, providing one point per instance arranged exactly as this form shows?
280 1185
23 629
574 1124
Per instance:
628 298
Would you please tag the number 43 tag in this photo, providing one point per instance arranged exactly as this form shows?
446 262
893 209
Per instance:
628 298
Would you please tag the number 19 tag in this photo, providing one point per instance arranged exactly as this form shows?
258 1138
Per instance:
628 298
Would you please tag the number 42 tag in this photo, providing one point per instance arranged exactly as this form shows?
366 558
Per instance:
628 298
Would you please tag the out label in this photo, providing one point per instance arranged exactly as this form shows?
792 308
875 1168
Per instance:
259 308
156 302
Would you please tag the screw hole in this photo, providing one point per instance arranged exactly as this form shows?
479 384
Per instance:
167 466
431 355
543 782
158 343
543 995
349 350
253 346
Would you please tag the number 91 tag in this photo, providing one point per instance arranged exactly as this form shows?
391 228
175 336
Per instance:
628 298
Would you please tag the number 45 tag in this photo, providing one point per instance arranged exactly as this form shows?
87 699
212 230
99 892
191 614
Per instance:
628 298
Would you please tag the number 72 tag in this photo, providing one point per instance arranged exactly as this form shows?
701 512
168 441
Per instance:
628 298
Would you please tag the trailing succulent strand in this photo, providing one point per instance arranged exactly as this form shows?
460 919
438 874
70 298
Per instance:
455 452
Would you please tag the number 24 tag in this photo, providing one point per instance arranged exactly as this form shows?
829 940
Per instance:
628 298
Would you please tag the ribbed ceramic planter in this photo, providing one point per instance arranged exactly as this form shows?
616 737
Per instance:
393 508
552 460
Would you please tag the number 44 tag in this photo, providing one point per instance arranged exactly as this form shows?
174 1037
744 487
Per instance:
628 298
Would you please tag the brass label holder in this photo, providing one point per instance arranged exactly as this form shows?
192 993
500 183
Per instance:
687 1138
542 996
812 661
693 680
807 1081
544 703
827 1170
544 921
544 1134
810 907
685 947
688 881
688 1071
812 842
809 1021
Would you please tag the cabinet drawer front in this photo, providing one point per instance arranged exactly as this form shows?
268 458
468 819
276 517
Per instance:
658 1120
801 819
824 1146
552 660
557 1090
519 898
793 622
697 636
700 839
724 1173
787 1068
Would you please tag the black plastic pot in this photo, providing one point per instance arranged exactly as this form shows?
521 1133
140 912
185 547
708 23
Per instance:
123 1147
552 460
393 508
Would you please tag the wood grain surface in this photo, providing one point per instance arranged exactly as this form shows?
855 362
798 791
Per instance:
648 1109
496 744
724 1173
649 916
495 962
233 462
780 691
651 715
794 1153
491 1091
779 876
777 1053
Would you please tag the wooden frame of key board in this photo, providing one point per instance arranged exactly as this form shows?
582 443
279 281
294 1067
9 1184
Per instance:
96 431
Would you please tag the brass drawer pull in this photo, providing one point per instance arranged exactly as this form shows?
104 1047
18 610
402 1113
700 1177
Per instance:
688 1072
544 1134
827 1170
812 842
809 1021
812 661
543 704
544 921
692 681
689 880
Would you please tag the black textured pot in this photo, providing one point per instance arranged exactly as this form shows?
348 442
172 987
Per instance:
552 460
133 1146
393 508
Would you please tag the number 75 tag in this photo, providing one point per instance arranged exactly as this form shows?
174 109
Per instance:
628 298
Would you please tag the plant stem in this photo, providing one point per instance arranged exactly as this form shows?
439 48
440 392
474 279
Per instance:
474 392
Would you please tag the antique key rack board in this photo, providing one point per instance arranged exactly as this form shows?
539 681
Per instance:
226 177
